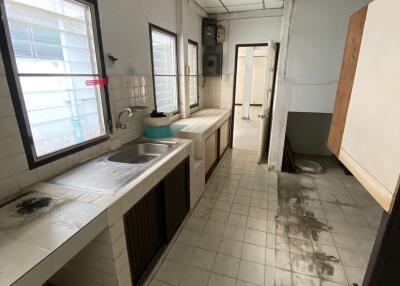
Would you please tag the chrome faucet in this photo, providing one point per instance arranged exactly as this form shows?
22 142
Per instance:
131 112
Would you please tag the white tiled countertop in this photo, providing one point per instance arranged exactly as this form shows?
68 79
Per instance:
203 123
32 251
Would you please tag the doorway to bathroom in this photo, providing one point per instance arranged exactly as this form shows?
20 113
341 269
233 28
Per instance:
254 81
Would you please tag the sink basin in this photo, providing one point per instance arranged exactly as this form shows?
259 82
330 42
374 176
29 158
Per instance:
139 153
106 174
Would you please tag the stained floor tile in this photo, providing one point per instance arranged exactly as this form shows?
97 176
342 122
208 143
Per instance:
254 228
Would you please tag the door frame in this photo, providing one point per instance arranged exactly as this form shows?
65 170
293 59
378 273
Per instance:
232 128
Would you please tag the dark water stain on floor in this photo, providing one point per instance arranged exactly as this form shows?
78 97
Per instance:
325 263
296 221
32 205
292 196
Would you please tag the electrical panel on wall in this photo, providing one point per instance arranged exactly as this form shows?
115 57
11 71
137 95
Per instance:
213 37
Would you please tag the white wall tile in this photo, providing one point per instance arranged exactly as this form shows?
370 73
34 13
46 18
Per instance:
27 178
6 107
9 127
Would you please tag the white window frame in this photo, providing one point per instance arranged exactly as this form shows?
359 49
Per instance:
13 78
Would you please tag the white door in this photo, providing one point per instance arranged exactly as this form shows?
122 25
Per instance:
265 112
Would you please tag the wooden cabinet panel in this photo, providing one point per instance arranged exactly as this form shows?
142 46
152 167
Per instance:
144 231
224 137
153 221
347 74
176 194
211 151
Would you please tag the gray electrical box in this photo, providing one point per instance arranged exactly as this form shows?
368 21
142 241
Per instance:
212 55
209 32
212 64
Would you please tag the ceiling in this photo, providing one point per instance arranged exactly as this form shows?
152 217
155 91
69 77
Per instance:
226 6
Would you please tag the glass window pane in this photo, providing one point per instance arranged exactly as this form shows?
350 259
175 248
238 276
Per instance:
165 71
62 111
51 36
48 38
192 58
193 89
164 53
166 93
192 62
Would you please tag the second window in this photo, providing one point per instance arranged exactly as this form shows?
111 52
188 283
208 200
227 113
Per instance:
164 63
193 74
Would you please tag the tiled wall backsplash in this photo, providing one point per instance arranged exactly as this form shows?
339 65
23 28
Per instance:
212 90
15 175
218 92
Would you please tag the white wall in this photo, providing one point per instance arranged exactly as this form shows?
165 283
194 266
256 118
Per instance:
317 37
313 39
240 28
125 31
192 29
248 31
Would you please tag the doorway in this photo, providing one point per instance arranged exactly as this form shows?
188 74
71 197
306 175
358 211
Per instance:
252 95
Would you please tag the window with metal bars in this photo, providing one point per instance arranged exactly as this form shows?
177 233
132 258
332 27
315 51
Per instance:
164 63
52 58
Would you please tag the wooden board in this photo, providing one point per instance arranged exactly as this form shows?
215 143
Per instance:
370 145
348 71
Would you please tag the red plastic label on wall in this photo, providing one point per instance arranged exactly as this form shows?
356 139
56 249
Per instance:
100 81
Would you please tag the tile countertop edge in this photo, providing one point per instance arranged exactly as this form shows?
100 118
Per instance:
49 265
111 208
218 115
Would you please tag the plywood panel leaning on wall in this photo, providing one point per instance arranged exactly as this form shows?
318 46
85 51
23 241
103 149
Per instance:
370 141
347 74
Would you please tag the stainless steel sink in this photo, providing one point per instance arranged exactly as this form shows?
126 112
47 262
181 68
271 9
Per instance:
108 173
140 153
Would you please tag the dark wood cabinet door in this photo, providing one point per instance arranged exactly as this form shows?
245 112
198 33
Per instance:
176 195
144 230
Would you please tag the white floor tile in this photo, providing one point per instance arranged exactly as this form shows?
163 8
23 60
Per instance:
170 272
195 277
256 237
253 253
257 224
251 272
283 277
237 220
231 247
234 232
214 227
209 241
219 280
203 259
226 265
180 253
